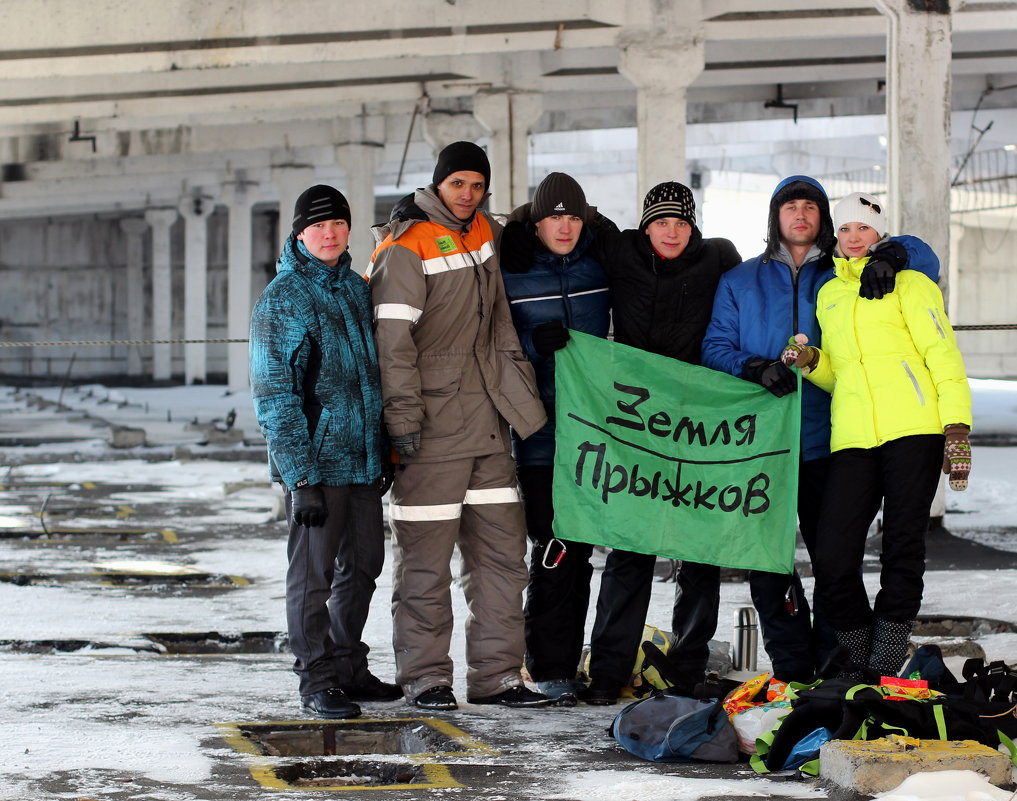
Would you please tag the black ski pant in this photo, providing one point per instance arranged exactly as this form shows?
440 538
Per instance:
625 588
903 475
329 585
558 592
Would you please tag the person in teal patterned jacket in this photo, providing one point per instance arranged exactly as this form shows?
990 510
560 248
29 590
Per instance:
317 395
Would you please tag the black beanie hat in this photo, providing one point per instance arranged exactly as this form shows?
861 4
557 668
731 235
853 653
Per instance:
800 187
669 199
317 204
462 156
558 193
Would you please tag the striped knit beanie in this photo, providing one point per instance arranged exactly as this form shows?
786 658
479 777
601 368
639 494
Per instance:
669 199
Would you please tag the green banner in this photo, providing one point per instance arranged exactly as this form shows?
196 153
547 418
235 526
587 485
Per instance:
658 456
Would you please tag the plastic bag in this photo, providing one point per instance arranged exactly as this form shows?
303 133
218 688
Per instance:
750 723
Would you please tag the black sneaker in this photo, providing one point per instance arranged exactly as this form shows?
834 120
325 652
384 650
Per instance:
518 697
440 697
330 703
371 688
600 693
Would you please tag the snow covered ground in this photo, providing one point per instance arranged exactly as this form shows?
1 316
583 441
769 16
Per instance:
115 720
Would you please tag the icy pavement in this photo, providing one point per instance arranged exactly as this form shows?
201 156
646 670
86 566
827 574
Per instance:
184 537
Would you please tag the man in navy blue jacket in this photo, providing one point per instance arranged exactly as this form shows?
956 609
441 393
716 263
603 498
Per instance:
553 283
317 394
758 306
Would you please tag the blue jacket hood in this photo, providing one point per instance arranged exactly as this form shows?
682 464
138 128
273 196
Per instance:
826 238
792 178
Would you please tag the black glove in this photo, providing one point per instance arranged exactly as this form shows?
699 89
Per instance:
773 375
384 482
517 248
405 209
406 444
308 506
549 337
598 222
879 276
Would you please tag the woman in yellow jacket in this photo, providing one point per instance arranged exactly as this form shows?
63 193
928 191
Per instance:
901 408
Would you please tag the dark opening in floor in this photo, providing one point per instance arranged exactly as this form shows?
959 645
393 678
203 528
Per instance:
355 773
350 738
212 642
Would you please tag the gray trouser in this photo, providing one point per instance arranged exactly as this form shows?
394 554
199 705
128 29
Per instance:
474 503
329 584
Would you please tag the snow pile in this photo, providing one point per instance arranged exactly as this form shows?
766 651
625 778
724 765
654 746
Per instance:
946 785
632 785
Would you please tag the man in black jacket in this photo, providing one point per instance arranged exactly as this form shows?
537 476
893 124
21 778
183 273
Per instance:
663 277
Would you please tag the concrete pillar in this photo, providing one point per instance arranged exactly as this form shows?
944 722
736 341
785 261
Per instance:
359 161
508 116
699 178
953 268
161 221
662 63
196 209
238 199
134 231
290 180
918 121
442 128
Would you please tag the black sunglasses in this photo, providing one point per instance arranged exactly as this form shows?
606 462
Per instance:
875 206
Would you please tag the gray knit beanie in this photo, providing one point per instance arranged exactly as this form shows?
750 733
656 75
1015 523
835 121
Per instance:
558 193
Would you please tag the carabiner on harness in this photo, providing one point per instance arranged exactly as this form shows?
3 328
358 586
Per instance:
556 549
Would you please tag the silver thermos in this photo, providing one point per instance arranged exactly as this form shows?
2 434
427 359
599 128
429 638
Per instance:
745 639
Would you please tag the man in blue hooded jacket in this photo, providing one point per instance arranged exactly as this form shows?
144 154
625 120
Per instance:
758 306
317 394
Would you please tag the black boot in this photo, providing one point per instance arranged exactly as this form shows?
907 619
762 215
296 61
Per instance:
890 640
857 643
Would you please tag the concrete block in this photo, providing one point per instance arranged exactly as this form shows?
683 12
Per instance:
962 649
278 503
229 487
126 437
229 436
868 767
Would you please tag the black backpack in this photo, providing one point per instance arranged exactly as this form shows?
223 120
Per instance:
852 711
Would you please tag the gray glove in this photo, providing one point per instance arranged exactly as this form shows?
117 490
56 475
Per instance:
406 444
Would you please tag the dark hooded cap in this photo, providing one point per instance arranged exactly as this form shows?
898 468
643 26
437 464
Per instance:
317 204
669 199
462 156
558 193
800 187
